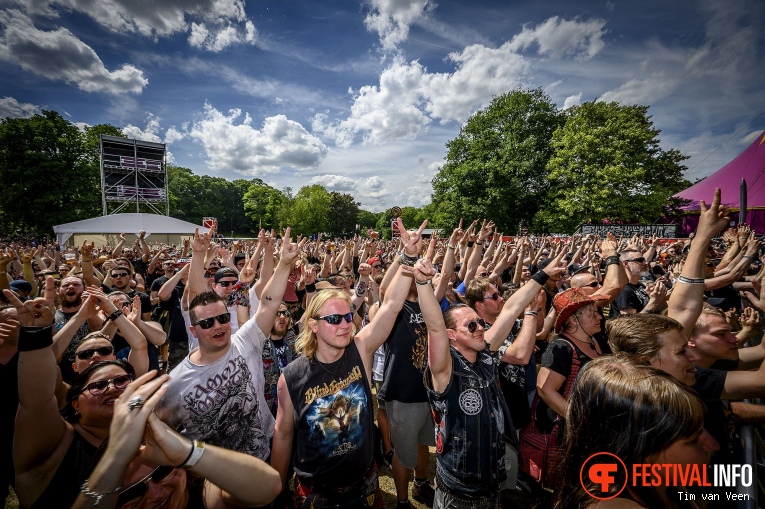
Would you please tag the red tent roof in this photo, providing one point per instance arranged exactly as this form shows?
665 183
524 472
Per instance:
748 165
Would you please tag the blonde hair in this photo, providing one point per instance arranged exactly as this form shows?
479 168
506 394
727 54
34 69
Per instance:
307 341
701 322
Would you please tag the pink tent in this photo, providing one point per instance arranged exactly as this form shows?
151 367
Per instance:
748 165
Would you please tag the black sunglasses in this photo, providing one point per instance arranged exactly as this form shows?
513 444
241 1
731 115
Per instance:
376 266
284 312
493 296
102 351
226 284
121 274
472 326
101 386
484 274
336 318
207 323
138 490
637 260
594 284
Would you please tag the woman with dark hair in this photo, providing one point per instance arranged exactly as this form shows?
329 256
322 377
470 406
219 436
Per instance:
52 455
642 416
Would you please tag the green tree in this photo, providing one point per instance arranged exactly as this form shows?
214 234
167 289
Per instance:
343 215
608 164
262 204
185 191
309 211
495 167
367 220
45 175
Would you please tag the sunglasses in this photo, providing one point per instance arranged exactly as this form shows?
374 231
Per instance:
136 491
637 260
594 284
101 386
101 351
377 266
336 318
226 284
484 274
472 326
493 296
207 323
121 274
209 275
348 276
284 312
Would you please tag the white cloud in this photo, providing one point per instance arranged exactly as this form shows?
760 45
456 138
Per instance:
172 135
10 107
225 20
559 37
391 19
749 138
240 147
572 100
219 39
334 182
643 91
60 55
149 133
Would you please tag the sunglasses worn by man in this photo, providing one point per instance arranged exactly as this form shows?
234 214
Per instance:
208 323
103 351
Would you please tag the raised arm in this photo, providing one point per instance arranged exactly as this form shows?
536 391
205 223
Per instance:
373 335
519 300
39 427
273 293
616 276
687 297
200 246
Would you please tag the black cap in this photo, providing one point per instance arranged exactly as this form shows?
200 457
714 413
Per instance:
225 272
575 268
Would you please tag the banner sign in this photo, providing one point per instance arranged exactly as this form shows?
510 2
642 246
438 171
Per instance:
628 230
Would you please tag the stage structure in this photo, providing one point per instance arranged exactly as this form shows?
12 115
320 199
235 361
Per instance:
133 172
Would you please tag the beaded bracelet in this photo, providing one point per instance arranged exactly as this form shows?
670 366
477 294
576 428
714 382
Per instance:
117 313
423 283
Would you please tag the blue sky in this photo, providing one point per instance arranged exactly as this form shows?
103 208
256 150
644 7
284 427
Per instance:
361 97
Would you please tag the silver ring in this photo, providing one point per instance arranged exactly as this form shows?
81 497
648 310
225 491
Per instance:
135 402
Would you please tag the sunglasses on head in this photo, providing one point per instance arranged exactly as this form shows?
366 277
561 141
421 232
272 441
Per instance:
336 318
101 351
493 296
101 386
637 260
226 284
120 274
284 312
136 491
207 323
472 325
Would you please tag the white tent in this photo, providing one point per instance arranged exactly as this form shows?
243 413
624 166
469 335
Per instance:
106 229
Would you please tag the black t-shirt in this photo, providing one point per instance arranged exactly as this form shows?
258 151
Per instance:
9 401
122 349
725 298
709 383
177 331
405 351
632 296
559 357
334 432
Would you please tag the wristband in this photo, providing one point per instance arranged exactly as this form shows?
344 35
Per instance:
748 256
612 260
530 313
35 338
479 242
114 316
423 283
310 288
449 247
689 281
406 260
95 495
196 452
57 248
541 277
470 243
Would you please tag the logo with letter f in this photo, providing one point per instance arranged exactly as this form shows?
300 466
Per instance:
604 471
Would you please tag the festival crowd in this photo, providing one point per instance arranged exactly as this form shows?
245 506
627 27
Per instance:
283 372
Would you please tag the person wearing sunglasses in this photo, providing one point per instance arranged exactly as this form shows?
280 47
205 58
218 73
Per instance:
634 298
463 392
216 393
325 398
225 282
278 352
145 464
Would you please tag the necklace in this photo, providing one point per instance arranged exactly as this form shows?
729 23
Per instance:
325 368
592 344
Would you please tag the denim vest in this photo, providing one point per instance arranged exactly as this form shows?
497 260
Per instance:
470 423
